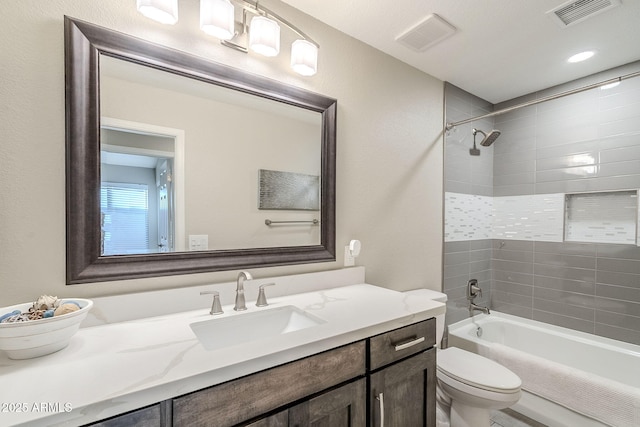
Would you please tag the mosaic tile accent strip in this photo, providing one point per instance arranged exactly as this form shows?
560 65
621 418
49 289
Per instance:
538 217
467 217
534 217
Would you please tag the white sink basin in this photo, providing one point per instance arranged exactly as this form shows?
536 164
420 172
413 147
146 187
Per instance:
225 332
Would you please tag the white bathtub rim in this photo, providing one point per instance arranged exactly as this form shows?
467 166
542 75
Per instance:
583 337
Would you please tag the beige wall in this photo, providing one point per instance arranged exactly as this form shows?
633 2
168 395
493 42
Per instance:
389 165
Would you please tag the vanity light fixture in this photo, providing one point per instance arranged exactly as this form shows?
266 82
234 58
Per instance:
217 18
304 57
264 37
262 34
163 11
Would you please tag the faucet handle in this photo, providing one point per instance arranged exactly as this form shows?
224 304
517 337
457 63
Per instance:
216 307
262 298
476 290
473 290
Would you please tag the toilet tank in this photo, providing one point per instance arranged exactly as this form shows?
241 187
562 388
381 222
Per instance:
435 296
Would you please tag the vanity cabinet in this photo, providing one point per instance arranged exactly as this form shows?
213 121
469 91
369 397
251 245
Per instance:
238 401
402 377
385 380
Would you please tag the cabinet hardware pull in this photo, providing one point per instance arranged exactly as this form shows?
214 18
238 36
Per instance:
380 398
412 341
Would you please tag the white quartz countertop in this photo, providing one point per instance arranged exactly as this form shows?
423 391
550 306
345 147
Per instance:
111 369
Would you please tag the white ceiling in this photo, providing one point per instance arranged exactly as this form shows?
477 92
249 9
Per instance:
502 48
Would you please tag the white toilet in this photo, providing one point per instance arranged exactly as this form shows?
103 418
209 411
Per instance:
469 386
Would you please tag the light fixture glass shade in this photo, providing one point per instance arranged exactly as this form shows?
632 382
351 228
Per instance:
304 57
163 11
216 18
264 36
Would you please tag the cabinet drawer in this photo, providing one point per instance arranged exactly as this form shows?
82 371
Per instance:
152 416
239 400
397 344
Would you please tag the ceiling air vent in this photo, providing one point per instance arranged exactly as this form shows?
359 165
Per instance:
577 11
426 33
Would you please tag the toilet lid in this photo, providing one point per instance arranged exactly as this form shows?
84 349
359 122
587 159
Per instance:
477 371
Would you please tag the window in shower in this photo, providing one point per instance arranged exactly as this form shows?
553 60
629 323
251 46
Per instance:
604 217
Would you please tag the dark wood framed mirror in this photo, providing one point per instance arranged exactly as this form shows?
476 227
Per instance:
85 43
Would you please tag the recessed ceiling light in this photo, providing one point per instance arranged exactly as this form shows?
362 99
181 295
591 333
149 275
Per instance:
582 56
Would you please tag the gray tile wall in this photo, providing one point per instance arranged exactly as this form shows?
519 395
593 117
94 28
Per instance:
466 174
464 261
588 287
582 143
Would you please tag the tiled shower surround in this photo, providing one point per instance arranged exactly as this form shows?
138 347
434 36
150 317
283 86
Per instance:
584 143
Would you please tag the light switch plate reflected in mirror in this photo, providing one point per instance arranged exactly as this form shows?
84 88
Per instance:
198 242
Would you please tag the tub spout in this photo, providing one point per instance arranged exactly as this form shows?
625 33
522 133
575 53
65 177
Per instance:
474 307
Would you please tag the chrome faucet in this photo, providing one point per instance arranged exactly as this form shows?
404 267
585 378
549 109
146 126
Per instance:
240 302
473 290
473 307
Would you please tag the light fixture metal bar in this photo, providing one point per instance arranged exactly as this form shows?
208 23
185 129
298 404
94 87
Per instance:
233 45
237 46
450 126
255 7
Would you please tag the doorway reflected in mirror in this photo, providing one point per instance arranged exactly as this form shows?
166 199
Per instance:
141 188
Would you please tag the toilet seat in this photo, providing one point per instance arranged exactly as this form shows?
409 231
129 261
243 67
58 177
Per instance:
477 371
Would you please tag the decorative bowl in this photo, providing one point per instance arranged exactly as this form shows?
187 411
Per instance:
26 340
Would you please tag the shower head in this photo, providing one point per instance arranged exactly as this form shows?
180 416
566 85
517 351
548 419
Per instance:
488 138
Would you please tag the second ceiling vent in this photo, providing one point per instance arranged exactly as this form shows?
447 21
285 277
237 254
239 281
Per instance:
577 11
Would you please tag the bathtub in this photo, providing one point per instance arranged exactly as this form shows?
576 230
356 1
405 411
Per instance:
599 377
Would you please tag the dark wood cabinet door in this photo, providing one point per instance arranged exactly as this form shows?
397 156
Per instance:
403 394
248 398
281 419
342 407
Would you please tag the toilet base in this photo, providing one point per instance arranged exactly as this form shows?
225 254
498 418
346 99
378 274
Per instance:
469 416
442 415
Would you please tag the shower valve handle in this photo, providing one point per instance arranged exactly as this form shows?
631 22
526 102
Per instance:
473 290
476 291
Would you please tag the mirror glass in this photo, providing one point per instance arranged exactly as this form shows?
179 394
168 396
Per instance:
176 164
229 137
